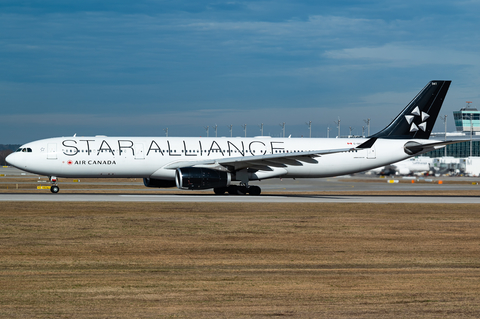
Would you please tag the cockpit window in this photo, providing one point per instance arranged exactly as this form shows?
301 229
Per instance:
24 150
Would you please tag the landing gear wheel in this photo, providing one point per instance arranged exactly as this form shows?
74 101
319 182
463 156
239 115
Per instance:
254 190
242 190
237 190
54 189
220 190
232 190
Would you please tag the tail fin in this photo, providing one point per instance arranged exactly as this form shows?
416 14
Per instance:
418 117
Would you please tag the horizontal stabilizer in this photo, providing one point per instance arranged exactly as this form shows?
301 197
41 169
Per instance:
414 148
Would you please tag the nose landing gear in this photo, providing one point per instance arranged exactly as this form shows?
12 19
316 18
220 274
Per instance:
54 188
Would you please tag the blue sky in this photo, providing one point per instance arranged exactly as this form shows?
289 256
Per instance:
136 68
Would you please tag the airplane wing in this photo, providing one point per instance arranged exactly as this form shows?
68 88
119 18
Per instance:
259 162
266 162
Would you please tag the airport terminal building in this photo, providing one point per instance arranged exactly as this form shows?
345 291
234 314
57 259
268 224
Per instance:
467 123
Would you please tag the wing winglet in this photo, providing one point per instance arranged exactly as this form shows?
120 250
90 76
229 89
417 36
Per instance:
368 143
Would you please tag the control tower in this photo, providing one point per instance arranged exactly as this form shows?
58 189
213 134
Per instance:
467 119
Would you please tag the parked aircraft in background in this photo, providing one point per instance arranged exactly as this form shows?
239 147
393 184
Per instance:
203 163
410 166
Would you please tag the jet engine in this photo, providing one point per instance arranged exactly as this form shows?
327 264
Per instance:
201 178
160 183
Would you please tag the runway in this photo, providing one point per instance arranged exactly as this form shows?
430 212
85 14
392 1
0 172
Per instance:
285 191
240 199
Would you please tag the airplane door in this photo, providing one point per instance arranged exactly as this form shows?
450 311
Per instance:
52 151
139 154
371 154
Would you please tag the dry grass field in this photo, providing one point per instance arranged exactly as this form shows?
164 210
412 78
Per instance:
187 260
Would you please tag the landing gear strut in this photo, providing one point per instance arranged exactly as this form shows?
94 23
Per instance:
54 188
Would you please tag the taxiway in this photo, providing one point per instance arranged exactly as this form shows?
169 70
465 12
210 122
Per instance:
284 191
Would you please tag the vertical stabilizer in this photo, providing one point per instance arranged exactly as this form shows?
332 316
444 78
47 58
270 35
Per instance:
418 117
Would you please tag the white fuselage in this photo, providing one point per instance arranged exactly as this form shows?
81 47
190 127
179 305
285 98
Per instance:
145 157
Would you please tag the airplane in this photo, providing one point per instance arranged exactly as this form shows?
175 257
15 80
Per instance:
413 165
215 163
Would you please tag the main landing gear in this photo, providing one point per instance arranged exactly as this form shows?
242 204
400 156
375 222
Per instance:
238 190
54 188
242 189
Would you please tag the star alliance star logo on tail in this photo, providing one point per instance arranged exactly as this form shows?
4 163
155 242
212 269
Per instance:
410 118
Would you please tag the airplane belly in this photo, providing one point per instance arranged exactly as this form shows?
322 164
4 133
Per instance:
168 174
327 166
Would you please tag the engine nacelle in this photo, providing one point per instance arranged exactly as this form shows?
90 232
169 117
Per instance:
201 178
160 183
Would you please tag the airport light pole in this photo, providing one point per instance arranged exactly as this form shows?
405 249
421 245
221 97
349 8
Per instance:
338 126
166 131
245 129
283 128
206 129
216 126
309 123
367 121
444 118
350 130
471 128
261 129
231 128
471 133
328 131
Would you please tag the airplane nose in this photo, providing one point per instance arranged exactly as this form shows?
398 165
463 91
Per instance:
12 159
